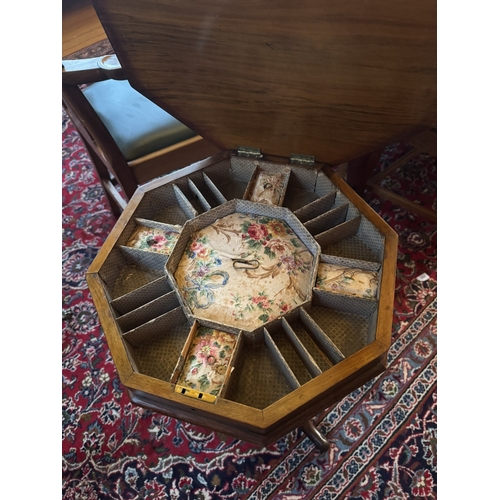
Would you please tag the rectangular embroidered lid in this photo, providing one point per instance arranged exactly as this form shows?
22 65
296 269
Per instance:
330 79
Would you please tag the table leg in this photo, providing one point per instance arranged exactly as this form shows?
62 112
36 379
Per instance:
315 436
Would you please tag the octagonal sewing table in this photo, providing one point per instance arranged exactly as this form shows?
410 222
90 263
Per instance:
250 291
248 317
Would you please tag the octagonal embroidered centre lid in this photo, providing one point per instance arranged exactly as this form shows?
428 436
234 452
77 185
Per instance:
244 270
325 78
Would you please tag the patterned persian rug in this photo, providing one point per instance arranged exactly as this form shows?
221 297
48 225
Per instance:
383 436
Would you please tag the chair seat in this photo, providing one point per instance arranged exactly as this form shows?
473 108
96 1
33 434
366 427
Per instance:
137 125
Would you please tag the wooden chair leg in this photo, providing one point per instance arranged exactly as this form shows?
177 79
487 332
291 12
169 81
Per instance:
116 207
117 202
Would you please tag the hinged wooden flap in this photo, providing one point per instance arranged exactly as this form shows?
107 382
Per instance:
330 78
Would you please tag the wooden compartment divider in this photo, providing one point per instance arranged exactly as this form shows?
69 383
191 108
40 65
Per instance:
141 296
341 232
184 202
328 220
198 194
232 364
317 207
214 189
148 312
329 348
280 361
302 352
200 184
162 323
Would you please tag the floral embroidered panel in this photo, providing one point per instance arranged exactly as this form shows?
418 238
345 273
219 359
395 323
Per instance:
347 280
268 188
244 270
207 361
153 239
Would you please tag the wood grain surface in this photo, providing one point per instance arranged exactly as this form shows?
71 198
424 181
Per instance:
331 78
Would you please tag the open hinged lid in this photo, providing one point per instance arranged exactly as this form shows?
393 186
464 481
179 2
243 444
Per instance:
330 78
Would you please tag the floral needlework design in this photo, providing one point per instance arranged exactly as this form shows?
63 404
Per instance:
245 270
202 278
207 360
153 239
269 188
346 280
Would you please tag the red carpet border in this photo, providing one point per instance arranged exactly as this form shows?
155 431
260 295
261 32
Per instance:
383 435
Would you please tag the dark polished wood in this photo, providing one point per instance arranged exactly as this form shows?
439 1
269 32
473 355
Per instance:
328 78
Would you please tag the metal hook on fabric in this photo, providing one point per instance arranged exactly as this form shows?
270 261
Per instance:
245 264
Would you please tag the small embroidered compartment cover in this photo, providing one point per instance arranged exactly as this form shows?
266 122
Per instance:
207 362
153 239
347 280
268 187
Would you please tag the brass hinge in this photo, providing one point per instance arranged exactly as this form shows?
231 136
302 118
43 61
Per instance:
249 152
304 160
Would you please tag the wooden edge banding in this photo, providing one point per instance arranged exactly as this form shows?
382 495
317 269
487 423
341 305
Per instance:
115 233
113 337
184 172
329 381
284 415
386 290
251 418
361 204
388 277
164 151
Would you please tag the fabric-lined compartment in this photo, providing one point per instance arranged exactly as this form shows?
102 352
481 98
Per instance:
302 187
127 269
327 221
231 178
155 346
300 330
203 203
166 204
268 184
214 190
292 350
150 236
207 192
191 197
322 340
141 296
344 261
349 322
257 380
316 207
205 362
135 222
346 240
348 276
280 360
147 312
232 365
